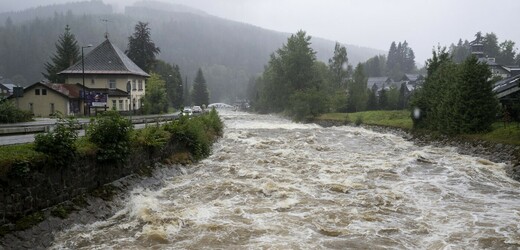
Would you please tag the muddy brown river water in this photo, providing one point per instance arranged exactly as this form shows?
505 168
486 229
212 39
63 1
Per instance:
274 184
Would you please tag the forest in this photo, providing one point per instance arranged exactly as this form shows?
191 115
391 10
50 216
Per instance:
229 52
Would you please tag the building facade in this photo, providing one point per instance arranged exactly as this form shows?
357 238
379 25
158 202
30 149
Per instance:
110 80
48 99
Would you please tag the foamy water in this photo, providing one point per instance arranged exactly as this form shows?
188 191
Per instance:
271 183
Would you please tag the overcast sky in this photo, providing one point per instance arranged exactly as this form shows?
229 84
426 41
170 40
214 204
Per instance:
370 23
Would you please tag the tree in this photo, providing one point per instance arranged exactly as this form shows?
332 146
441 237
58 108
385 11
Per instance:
357 91
490 42
67 54
155 99
383 99
402 101
455 98
173 81
401 60
393 98
475 104
290 69
426 100
141 49
375 66
461 51
507 53
338 66
200 95
372 99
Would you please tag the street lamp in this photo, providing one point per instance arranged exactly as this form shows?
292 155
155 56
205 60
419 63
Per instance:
83 75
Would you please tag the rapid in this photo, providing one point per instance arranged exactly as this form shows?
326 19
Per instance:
272 183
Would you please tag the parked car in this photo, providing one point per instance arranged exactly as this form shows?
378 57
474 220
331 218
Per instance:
196 109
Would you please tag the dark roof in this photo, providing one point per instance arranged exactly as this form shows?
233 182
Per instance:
66 90
510 84
379 81
412 77
106 59
70 90
3 87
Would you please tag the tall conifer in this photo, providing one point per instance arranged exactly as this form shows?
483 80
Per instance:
67 53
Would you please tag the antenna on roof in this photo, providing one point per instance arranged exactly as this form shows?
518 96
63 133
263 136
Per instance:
106 26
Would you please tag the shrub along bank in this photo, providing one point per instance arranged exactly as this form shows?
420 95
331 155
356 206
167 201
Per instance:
59 166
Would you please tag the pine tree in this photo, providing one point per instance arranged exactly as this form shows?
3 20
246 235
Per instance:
402 102
357 91
372 99
200 95
141 49
338 66
67 53
475 103
383 99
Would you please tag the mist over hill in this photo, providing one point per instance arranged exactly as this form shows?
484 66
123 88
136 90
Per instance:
229 52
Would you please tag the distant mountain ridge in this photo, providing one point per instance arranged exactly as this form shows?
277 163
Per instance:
229 52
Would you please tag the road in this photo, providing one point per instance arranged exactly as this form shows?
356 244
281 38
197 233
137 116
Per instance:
139 123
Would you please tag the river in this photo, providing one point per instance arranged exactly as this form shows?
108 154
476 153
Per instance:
272 183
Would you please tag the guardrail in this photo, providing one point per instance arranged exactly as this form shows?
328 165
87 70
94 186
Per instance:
5 129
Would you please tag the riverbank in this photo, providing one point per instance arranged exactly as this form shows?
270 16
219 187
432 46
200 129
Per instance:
34 186
499 145
98 205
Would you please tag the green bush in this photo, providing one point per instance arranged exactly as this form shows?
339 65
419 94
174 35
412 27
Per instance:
14 158
111 133
59 144
191 133
11 114
151 136
213 125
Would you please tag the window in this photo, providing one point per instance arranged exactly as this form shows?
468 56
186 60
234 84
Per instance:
134 86
114 107
37 91
44 92
112 83
31 107
140 85
120 104
92 81
52 108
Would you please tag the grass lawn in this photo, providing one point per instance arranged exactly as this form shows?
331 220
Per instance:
401 119
393 118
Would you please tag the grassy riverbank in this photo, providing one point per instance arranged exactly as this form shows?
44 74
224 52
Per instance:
401 119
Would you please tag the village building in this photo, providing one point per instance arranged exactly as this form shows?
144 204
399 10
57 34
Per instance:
497 70
378 83
48 99
4 91
6 87
112 81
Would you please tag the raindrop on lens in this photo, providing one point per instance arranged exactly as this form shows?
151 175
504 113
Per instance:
416 113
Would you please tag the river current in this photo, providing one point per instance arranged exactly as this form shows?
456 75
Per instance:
271 183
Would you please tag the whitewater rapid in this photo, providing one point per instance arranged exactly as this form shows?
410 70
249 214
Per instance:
272 183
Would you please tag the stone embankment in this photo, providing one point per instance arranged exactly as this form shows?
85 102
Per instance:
496 152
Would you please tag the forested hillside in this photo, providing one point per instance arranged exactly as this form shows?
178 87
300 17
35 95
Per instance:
228 52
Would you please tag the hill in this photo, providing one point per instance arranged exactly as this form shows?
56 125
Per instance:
229 52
